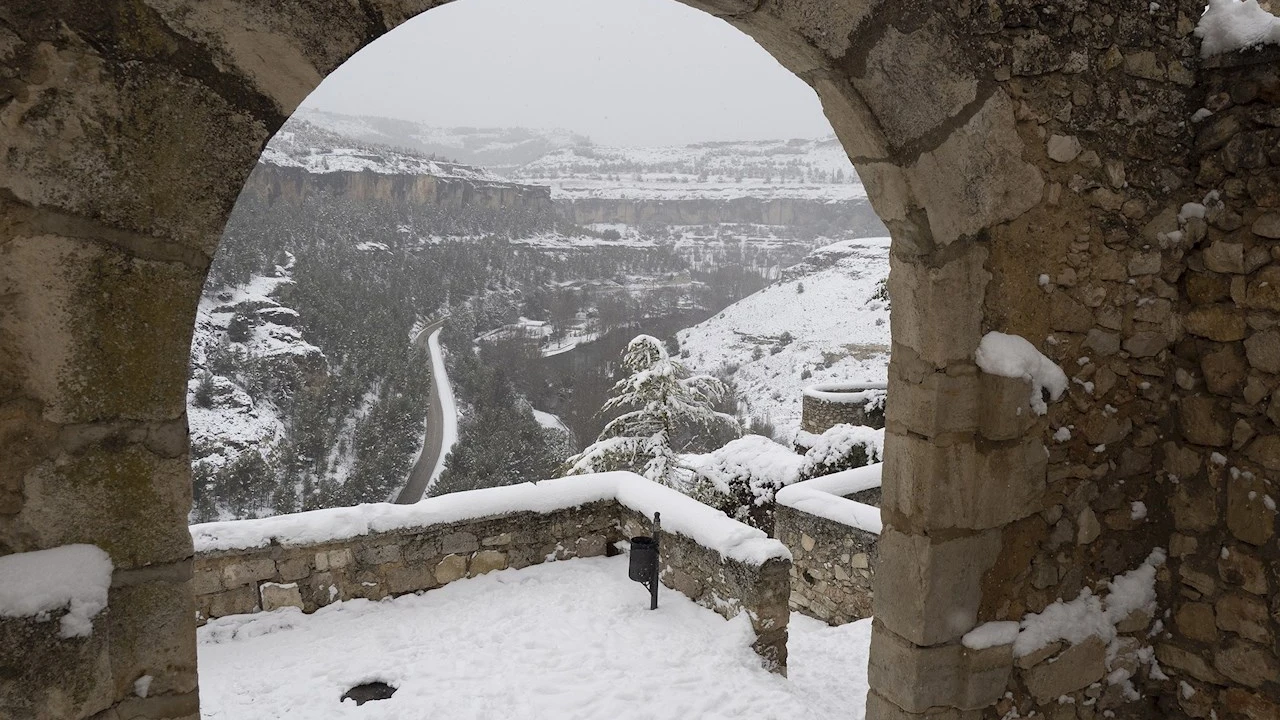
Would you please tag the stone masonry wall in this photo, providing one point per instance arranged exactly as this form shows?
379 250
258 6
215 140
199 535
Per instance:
832 568
817 415
1221 458
393 563
418 559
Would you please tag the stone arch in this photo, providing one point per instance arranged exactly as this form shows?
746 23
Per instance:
1000 141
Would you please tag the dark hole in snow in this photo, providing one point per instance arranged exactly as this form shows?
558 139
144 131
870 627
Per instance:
369 691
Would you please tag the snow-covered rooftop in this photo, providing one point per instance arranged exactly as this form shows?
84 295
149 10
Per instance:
562 640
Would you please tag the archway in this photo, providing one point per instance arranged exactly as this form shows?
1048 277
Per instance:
1008 148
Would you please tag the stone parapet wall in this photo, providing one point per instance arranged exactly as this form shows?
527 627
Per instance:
828 405
253 566
832 567
832 534
380 565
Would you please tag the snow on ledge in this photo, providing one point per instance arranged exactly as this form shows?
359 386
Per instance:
1013 356
1231 25
680 514
847 393
824 497
71 577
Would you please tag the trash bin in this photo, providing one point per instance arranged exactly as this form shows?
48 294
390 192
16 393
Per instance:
644 559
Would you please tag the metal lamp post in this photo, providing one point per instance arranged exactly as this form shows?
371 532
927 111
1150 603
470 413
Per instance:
644 561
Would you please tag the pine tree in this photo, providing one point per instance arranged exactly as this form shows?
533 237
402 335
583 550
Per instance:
661 399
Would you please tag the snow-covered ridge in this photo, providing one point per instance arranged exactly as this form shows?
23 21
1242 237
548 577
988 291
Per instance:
825 497
680 514
74 578
301 144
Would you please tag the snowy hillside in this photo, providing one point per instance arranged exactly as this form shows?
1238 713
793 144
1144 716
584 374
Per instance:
496 148
317 149
824 323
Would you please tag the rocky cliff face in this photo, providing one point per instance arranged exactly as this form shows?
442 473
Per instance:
276 183
851 214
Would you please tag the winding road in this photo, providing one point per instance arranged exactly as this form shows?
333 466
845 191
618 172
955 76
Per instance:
442 425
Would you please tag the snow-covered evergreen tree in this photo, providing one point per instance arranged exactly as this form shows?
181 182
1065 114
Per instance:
661 399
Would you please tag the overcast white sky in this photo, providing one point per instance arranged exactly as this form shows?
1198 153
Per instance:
624 72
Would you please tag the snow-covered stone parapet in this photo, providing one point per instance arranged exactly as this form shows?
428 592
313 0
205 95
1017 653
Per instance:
1231 25
1014 357
826 497
828 404
833 540
70 578
310 560
680 514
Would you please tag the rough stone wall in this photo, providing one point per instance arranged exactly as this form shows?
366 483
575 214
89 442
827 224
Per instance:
725 585
852 214
394 563
832 566
818 415
291 185
1221 459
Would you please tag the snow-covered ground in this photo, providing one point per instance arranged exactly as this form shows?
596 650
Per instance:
839 332
562 640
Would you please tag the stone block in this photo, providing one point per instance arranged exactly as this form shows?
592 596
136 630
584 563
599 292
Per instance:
591 546
43 675
487 561
880 708
1248 516
340 558
237 601
1263 351
918 678
151 630
943 324
450 568
909 82
279 595
459 543
1195 621
246 570
976 178
1203 422
1246 616
379 554
1242 703
1075 668
1187 662
1220 323
401 579
206 580
1240 568
960 485
1246 663
933 595
295 567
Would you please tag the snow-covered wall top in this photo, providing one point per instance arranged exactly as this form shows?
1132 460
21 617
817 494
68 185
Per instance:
74 578
1231 25
680 514
824 497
